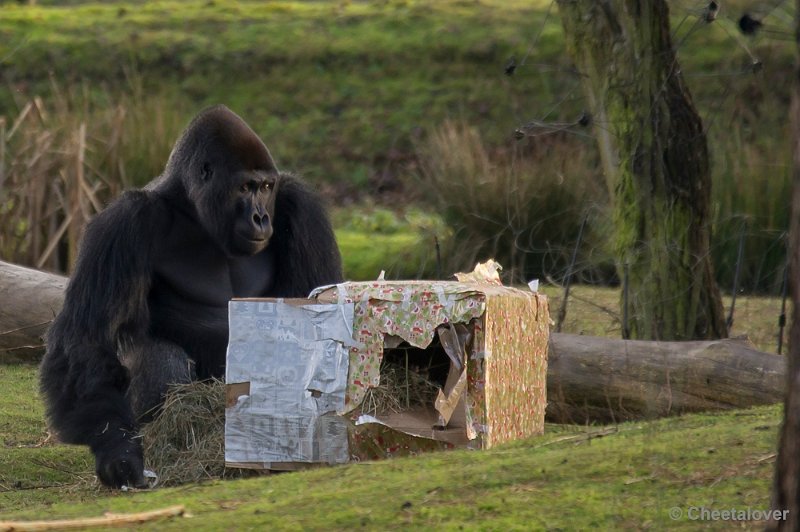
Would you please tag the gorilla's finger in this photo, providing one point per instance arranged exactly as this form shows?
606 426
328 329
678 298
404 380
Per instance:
121 465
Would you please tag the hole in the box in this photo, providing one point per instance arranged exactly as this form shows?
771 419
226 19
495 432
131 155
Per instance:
410 377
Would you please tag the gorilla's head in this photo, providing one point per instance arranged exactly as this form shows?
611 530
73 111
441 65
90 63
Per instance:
228 175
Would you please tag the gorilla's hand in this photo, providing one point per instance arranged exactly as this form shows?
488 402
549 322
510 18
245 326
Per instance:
120 464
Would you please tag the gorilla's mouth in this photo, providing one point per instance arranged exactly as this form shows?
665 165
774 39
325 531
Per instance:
257 238
250 239
249 243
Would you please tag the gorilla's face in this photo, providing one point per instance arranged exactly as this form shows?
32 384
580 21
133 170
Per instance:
252 208
236 209
228 175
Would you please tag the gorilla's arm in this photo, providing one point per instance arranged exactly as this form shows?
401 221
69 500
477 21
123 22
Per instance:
303 242
83 381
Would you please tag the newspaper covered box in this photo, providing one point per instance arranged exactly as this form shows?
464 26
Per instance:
336 377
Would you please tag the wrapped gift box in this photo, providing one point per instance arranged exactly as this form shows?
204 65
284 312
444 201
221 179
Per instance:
305 384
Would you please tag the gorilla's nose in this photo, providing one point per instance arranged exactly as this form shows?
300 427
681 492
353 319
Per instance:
261 221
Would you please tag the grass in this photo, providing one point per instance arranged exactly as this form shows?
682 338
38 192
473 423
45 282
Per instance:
566 479
378 239
595 311
345 93
315 78
339 90
617 477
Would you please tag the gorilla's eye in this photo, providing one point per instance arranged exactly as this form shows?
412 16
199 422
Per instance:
207 172
265 186
243 187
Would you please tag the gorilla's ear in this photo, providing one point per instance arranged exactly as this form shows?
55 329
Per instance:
218 140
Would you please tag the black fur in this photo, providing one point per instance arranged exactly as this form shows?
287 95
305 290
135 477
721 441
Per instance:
147 303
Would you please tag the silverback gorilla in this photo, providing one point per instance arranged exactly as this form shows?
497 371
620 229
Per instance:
147 303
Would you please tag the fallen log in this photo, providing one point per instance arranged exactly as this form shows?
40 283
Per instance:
29 300
589 379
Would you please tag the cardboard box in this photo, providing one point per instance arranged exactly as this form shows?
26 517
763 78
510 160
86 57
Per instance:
303 375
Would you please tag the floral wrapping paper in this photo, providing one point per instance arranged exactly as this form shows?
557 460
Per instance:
506 369
515 366
409 309
374 441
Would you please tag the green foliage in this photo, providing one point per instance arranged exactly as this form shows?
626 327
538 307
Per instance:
379 239
347 92
751 195
522 207
332 87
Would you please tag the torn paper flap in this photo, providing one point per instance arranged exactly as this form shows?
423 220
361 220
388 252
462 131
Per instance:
454 338
448 399
235 390
366 418
484 272
419 423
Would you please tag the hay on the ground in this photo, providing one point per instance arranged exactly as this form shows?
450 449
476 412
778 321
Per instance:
186 441
400 389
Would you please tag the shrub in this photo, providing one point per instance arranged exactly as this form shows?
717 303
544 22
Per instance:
522 206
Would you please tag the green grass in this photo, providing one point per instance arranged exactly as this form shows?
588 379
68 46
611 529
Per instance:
567 479
617 477
315 78
595 311
340 89
345 92
366 255
373 240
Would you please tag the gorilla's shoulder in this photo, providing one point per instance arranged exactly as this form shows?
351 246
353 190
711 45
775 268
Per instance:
137 205
135 217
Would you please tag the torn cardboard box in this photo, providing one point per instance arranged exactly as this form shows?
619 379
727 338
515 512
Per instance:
377 369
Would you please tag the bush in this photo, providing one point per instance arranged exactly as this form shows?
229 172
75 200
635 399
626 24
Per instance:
522 206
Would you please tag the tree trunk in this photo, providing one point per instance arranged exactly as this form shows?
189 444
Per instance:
786 489
603 380
655 159
29 300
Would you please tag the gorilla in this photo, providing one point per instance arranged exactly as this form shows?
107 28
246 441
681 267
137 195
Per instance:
147 304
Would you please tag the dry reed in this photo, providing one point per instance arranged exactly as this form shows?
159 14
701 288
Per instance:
62 163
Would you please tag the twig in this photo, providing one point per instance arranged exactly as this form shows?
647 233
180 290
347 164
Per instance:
18 329
54 467
18 347
640 479
584 436
768 457
598 306
108 520
582 299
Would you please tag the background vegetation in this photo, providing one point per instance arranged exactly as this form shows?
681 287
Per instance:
403 113
400 104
